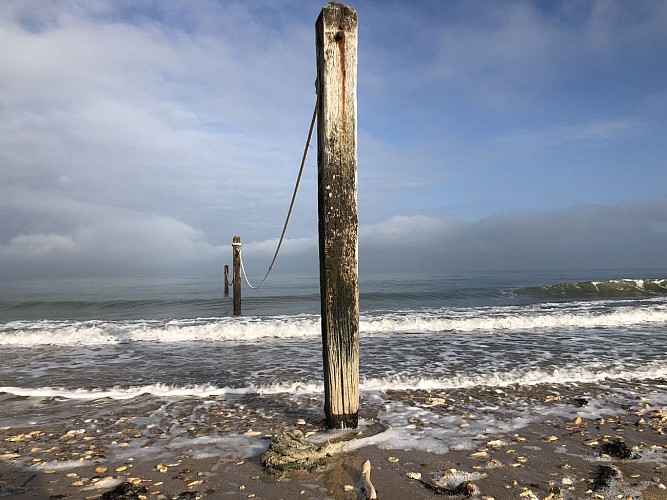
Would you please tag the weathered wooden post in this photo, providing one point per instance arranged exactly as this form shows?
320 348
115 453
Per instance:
236 268
336 45
226 280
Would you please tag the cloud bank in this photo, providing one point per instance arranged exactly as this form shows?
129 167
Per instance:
587 237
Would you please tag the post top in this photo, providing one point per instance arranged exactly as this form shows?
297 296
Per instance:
336 10
338 4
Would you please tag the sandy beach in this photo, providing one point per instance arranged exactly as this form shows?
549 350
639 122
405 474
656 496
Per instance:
602 440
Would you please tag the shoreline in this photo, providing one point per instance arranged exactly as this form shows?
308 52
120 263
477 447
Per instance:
539 441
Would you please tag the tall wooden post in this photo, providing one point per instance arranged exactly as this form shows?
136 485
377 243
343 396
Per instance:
236 268
226 280
336 44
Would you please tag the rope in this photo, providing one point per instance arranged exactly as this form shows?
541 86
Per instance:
291 206
292 451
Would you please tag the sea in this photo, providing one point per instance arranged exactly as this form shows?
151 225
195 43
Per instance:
84 346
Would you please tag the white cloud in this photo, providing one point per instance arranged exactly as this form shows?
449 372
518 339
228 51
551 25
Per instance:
292 246
401 231
627 235
157 116
31 246
622 25
142 239
102 240
580 237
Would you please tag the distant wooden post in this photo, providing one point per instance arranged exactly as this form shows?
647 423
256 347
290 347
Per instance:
226 280
336 45
236 267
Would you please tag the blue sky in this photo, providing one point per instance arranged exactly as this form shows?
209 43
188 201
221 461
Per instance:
137 137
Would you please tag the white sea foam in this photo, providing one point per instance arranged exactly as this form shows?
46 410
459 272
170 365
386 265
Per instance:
644 285
652 370
290 387
512 318
521 377
438 433
159 390
46 332
580 315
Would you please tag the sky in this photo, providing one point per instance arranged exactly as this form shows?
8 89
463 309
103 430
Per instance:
138 137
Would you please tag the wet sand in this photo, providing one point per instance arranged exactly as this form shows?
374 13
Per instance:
603 440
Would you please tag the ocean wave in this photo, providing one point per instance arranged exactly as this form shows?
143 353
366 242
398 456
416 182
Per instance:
505 319
653 370
583 315
602 289
535 376
49 332
159 390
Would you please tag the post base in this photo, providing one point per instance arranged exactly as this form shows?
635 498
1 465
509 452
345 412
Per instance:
344 421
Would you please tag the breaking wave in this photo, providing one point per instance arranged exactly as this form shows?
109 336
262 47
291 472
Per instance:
534 376
556 316
602 289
